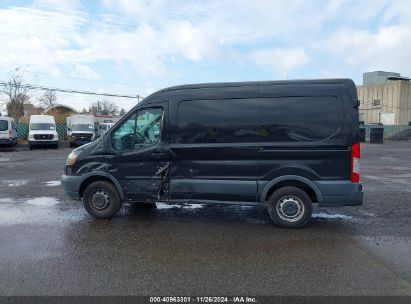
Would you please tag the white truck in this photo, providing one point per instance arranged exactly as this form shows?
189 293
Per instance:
42 131
8 134
80 129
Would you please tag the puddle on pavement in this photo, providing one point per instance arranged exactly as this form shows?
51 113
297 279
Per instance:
368 214
325 215
38 210
184 206
15 183
387 157
44 201
5 159
7 200
52 183
394 250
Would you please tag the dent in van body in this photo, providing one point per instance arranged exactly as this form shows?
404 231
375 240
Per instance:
138 187
96 165
155 187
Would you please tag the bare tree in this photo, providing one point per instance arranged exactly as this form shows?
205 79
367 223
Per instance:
104 107
122 112
48 99
17 95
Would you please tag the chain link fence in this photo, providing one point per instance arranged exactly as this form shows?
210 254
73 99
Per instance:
389 131
23 131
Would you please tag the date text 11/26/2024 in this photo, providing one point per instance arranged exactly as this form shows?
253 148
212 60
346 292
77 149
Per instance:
204 299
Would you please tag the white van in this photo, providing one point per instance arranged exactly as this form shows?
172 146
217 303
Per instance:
8 134
42 131
80 129
104 127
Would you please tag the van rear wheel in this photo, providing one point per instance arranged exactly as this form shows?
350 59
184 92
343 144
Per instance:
101 200
290 207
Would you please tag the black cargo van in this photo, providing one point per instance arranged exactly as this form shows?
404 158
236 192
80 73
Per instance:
286 144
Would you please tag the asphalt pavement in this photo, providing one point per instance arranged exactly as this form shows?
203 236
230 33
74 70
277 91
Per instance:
49 245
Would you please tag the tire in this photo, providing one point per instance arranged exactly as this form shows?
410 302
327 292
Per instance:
101 200
290 207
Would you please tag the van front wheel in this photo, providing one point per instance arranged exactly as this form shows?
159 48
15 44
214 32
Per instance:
290 207
101 200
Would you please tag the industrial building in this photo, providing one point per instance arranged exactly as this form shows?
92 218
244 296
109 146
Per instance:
385 97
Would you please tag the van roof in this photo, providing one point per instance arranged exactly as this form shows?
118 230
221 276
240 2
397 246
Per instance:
347 81
344 83
6 118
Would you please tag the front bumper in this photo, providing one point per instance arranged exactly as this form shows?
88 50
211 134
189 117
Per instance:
80 142
70 186
43 142
8 141
340 193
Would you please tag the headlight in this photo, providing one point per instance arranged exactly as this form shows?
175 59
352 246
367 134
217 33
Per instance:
31 136
71 159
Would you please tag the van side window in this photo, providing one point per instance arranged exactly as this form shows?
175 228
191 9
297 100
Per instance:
4 125
217 121
141 129
299 119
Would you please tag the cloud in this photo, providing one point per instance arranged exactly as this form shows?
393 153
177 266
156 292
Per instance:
85 71
35 37
384 49
280 60
163 42
57 4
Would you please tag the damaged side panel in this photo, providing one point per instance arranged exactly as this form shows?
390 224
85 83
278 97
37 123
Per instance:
164 185
139 186
143 170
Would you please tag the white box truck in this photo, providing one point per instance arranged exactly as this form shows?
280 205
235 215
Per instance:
80 129
42 131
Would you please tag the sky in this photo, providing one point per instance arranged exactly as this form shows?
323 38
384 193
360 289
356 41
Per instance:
137 47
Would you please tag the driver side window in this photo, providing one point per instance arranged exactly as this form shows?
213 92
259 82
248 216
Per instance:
141 129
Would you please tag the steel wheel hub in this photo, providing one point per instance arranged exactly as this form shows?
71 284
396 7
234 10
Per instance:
290 208
100 200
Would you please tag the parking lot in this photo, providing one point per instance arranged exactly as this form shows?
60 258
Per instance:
50 246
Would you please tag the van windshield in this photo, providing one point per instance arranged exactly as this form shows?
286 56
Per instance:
82 128
42 126
4 125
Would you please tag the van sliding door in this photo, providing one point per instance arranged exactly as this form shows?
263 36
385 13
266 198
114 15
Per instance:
213 151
